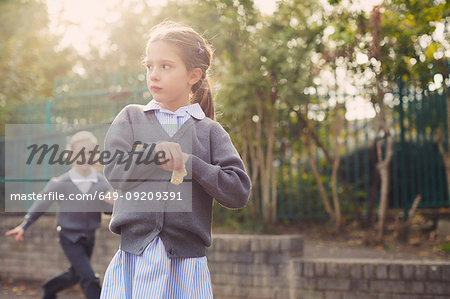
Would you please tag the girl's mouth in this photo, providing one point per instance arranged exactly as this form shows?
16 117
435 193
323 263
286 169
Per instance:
155 88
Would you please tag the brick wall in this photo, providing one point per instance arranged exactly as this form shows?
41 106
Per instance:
371 279
252 266
243 266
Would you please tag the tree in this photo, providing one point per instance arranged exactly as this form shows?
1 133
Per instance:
29 59
394 43
301 26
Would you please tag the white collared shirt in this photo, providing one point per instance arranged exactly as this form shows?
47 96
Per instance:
172 121
83 183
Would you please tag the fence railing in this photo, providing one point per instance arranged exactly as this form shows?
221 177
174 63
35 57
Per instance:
417 166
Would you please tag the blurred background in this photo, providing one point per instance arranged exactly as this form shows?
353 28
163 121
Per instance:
339 109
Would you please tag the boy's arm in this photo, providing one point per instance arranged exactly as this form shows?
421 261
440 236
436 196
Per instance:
225 178
36 210
39 207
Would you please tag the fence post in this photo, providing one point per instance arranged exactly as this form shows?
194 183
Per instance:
48 111
401 153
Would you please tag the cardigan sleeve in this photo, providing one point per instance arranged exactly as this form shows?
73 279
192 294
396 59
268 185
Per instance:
39 207
224 178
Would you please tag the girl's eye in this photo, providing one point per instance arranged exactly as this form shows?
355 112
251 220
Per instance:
164 66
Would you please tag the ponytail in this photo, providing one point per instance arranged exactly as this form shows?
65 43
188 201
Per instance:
202 95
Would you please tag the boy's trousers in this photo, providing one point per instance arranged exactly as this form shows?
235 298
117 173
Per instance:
79 254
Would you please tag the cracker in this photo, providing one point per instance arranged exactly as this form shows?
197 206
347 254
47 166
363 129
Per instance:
177 176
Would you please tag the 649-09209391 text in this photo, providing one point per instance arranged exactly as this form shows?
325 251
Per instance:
56 196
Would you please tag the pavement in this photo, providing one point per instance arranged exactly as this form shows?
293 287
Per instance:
11 289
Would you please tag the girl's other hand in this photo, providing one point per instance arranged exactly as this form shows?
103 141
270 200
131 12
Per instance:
17 232
174 154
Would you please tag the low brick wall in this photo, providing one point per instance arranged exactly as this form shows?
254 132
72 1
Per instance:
252 266
371 279
243 266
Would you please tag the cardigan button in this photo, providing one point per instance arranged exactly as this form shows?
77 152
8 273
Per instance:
171 251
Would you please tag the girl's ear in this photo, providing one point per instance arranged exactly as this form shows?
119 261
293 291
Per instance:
195 75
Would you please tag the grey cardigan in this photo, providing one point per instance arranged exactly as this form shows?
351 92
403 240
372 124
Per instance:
215 171
75 218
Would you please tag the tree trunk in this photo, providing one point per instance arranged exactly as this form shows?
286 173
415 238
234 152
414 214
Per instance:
403 227
439 139
337 208
382 126
383 169
336 131
323 192
249 153
266 119
269 126
311 135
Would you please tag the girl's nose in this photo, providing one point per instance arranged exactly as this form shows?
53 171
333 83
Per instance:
154 74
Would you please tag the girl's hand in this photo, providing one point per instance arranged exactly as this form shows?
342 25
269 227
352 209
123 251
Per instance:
174 154
17 232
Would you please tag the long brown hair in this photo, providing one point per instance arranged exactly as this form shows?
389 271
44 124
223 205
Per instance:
195 53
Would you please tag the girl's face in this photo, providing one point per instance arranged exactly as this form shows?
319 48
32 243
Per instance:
168 79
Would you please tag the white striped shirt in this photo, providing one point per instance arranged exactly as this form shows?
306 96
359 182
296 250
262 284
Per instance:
171 121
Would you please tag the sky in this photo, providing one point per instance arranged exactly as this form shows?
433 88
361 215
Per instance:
79 22
86 17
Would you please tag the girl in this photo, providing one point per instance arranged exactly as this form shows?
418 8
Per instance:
162 250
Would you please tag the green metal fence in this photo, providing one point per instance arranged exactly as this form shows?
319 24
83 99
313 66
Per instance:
417 166
93 100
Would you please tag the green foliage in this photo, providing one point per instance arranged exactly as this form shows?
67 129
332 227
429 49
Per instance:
29 60
446 247
397 37
404 25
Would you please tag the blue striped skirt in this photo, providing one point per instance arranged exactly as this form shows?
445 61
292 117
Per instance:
154 275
